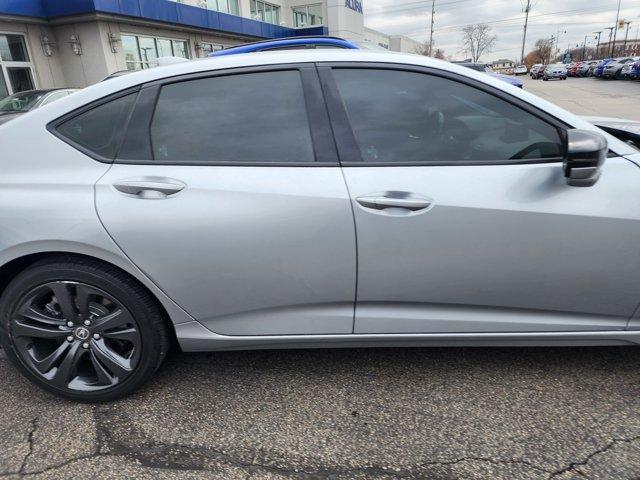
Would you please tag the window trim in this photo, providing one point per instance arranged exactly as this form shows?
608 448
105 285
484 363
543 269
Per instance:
348 148
324 148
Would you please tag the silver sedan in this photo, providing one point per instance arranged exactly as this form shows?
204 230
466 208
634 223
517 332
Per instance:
317 198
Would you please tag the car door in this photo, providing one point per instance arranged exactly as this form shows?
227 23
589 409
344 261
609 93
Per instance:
227 193
464 220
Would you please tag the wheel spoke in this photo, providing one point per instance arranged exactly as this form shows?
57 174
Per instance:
83 294
50 360
20 329
64 373
128 334
118 365
104 378
32 313
65 300
115 319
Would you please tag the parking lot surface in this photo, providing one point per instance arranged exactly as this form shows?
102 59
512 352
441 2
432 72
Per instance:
342 414
590 96
484 413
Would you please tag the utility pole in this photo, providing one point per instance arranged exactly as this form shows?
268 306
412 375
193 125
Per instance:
611 29
626 37
526 23
584 48
598 47
615 35
433 14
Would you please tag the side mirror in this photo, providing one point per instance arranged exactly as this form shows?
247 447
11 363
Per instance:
586 152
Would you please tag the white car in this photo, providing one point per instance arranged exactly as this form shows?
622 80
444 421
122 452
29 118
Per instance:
520 70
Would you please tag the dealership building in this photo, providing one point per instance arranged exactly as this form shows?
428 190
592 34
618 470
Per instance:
75 43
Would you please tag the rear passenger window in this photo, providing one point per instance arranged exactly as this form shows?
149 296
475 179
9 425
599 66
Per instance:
100 130
256 117
408 117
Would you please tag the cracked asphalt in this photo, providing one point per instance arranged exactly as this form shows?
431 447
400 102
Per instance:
454 413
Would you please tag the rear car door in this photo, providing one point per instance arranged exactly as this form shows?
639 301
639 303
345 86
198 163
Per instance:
464 220
226 192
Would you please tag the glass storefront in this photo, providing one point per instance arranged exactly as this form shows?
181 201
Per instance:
142 52
16 70
308 15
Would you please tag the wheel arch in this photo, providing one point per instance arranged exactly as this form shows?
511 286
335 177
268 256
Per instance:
19 259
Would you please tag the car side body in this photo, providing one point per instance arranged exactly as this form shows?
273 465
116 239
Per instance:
445 212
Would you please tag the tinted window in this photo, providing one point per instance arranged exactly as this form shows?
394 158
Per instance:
100 129
257 117
412 117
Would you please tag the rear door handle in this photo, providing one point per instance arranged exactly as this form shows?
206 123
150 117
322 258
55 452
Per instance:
149 187
405 200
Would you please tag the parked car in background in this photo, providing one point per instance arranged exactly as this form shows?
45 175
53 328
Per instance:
22 102
534 69
627 68
585 68
614 68
555 71
572 70
481 67
599 70
635 71
539 73
520 70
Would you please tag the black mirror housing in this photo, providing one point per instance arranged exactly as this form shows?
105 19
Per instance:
586 153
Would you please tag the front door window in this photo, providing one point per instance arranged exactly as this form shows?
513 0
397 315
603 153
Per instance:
16 70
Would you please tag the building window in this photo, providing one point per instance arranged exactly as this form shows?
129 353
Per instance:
16 70
307 15
224 6
265 12
143 52
208 48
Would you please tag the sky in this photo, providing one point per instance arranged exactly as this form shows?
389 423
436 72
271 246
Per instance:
506 17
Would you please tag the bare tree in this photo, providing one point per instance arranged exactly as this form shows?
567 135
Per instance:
543 49
477 39
423 49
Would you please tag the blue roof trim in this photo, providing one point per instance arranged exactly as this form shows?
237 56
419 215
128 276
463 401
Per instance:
158 10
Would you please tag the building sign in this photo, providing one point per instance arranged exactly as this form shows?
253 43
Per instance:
355 5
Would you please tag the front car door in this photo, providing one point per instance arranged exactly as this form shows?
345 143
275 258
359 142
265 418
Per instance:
227 193
464 220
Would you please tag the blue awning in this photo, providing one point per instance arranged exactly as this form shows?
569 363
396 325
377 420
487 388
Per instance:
164 11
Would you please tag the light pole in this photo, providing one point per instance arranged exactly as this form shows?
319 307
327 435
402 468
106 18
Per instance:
615 35
598 46
611 29
626 37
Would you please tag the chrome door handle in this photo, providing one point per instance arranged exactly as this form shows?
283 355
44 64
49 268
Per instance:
408 201
149 188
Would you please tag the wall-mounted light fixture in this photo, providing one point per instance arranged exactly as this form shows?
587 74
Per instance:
113 42
76 47
47 45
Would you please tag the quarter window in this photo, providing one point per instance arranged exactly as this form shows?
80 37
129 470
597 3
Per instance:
257 117
408 117
100 129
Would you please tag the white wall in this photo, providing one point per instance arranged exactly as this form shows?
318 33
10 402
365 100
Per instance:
377 38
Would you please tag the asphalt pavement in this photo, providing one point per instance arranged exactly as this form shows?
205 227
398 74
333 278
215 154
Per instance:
485 413
590 96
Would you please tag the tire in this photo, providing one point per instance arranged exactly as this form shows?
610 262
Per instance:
117 338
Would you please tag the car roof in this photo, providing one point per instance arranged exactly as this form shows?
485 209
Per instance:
100 90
